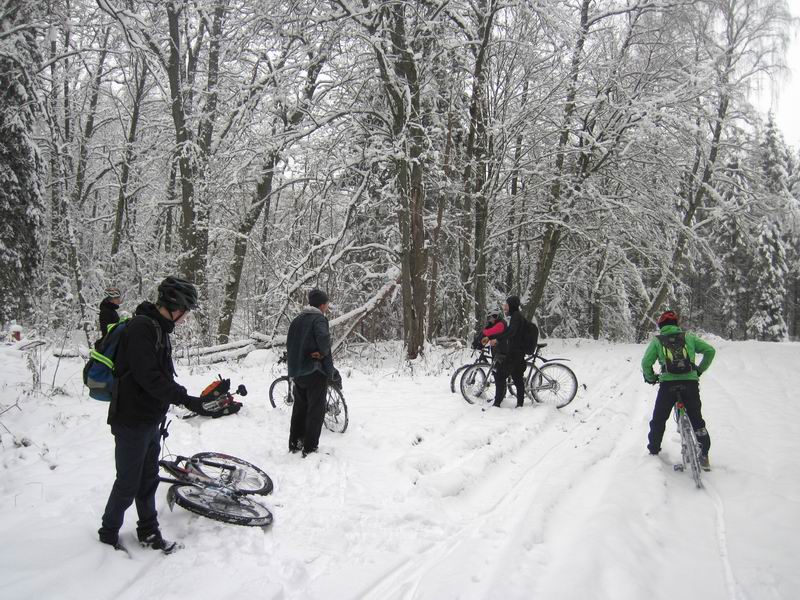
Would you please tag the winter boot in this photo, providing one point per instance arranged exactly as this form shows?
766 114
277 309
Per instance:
155 541
704 464
112 539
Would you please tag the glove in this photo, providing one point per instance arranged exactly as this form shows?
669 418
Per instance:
646 380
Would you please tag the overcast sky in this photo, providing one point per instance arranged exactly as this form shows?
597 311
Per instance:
786 100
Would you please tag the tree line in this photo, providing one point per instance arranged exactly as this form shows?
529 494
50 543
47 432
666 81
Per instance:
420 160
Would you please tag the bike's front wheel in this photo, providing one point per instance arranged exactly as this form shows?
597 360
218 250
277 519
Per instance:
477 384
233 472
281 394
221 506
336 417
454 378
554 384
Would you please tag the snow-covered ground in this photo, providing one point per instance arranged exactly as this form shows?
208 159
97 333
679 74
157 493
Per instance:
426 496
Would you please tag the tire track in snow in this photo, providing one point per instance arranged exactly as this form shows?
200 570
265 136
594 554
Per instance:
404 579
722 540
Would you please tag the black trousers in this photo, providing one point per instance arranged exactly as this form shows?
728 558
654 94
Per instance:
308 410
669 392
136 451
514 366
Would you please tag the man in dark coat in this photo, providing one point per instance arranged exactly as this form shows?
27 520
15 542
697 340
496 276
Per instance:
310 363
108 309
144 387
510 353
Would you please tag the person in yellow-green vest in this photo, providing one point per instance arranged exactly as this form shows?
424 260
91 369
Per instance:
675 350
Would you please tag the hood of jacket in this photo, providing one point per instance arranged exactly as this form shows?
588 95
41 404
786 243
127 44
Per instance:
148 309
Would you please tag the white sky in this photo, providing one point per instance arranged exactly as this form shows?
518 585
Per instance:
785 102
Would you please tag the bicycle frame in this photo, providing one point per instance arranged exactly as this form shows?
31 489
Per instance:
191 475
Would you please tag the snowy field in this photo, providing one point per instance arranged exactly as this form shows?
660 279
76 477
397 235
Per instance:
426 496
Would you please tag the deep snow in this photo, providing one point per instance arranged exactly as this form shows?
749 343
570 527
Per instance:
426 496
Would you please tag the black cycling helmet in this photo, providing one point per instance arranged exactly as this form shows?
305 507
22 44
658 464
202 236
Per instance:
177 294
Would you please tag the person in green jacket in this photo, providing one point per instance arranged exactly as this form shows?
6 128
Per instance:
678 370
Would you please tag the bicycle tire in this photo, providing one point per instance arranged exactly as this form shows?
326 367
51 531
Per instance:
336 415
477 384
691 450
554 384
249 479
280 393
219 506
455 377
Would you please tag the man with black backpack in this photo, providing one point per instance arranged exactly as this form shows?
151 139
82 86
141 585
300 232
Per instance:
510 349
675 351
143 388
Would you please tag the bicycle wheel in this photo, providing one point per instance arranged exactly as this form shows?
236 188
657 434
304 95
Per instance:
477 384
555 384
280 393
454 378
233 472
336 418
691 450
220 506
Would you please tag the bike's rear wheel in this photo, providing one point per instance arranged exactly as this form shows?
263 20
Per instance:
233 472
691 450
477 384
336 417
280 393
554 384
220 506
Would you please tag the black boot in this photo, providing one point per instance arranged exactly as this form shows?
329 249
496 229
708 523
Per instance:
155 541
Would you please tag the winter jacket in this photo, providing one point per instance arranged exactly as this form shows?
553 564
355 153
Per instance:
308 333
108 315
494 330
694 345
509 342
144 384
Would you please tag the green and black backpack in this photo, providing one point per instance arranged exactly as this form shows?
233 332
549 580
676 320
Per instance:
676 354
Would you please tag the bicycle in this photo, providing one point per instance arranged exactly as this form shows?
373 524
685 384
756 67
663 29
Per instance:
281 395
690 447
552 383
216 485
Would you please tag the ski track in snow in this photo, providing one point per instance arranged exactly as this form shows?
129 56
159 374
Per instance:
426 496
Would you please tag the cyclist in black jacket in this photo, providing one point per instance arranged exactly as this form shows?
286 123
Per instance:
310 365
108 309
144 387
510 354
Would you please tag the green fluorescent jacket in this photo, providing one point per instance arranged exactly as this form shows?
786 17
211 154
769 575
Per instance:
694 345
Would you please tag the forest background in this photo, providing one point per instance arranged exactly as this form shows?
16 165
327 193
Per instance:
419 160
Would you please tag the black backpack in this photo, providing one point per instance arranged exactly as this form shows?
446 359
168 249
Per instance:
529 336
675 353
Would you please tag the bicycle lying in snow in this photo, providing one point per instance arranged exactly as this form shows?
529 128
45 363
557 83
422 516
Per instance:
551 383
217 486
